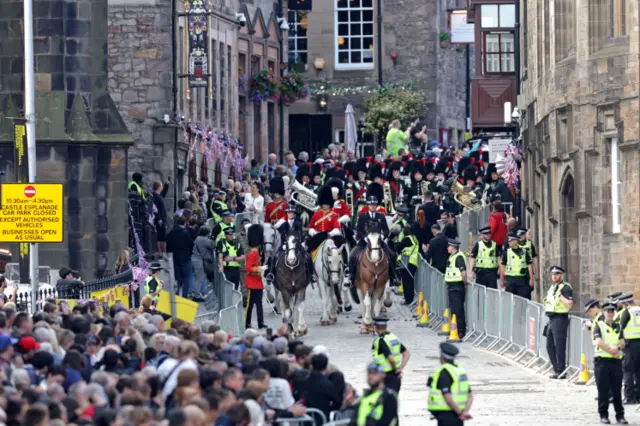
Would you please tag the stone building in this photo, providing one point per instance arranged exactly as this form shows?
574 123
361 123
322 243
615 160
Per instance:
579 111
140 80
343 34
82 140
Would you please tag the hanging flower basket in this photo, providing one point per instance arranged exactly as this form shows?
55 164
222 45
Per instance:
264 86
293 88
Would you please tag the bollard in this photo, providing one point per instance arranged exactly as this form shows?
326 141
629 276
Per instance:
453 336
446 325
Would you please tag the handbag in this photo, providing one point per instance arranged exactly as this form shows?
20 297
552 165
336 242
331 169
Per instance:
208 265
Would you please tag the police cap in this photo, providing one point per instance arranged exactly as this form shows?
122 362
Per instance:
610 307
453 243
380 321
230 230
613 297
227 213
291 208
521 231
513 237
155 266
486 230
448 351
371 200
626 298
402 210
556 270
591 303
375 368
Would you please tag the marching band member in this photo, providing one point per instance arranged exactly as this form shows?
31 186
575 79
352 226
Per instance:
276 209
316 177
360 198
395 181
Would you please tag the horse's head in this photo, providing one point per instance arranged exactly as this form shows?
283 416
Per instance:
291 247
374 246
269 237
334 263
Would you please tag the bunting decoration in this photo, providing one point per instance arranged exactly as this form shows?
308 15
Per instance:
511 174
323 88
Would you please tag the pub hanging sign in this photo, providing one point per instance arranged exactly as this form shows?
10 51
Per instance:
198 18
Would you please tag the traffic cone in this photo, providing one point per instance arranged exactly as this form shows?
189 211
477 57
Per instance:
453 336
419 305
583 377
400 289
446 325
424 318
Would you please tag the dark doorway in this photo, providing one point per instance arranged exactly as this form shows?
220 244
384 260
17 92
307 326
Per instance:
311 133
569 245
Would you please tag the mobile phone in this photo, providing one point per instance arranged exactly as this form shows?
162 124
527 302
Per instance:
269 333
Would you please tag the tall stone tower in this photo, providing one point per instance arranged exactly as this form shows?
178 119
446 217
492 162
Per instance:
81 139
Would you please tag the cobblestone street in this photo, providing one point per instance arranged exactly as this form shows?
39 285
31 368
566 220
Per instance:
505 393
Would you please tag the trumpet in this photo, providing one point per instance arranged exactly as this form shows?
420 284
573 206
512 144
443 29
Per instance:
388 200
348 197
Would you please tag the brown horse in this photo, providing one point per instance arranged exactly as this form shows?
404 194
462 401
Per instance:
371 280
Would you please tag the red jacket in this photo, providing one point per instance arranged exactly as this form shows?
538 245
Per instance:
275 211
498 225
253 280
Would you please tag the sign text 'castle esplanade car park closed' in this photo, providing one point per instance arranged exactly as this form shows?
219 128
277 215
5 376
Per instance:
32 213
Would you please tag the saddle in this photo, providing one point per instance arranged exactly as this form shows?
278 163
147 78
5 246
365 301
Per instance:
314 253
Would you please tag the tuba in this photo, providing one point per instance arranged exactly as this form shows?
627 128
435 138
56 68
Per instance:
388 199
464 198
349 199
303 196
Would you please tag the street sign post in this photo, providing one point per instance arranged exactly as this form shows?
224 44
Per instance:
32 213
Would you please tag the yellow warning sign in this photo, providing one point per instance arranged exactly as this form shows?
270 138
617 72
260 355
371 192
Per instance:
32 213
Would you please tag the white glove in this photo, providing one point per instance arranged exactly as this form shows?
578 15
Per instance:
335 233
344 219
312 232
279 223
264 268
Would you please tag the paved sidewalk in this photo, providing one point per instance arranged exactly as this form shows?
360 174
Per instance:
505 393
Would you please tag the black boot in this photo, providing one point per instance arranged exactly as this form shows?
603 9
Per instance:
310 269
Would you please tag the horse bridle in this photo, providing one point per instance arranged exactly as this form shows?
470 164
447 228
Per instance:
271 243
327 268
295 251
371 249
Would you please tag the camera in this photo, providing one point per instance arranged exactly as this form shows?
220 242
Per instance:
242 20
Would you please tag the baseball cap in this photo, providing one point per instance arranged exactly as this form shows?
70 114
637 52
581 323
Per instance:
6 341
27 344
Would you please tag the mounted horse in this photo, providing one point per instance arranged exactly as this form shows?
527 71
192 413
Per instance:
291 281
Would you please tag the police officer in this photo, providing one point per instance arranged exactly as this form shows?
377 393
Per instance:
450 395
557 304
515 266
525 242
230 255
608 343
455 278
484 260
409 255
227 222
630 325
389 353
153 284
396 233
593 311
379 405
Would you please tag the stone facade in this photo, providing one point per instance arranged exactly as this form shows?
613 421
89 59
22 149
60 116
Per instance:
410 29
580 103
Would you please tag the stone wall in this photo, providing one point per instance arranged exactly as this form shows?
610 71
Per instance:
576 105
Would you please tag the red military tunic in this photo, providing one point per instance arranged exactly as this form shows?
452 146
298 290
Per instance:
324 221
275 211
341 208
380 209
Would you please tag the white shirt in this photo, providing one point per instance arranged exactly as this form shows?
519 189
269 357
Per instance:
278 396
258 205
172 381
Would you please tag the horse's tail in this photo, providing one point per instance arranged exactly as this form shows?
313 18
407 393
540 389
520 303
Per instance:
354 294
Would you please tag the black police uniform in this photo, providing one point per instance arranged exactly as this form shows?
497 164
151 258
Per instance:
445 381
391 380
456 292
487 277
631 359
518 285
556 332
232 273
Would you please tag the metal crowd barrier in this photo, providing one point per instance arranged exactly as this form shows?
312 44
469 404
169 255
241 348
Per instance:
314 417
505 323
468 223
231 310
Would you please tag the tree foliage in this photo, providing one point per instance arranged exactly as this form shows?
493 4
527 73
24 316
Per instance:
388 105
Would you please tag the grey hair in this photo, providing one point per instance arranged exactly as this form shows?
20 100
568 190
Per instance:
122 315
42 335
76 389
155 318
20 379
101 378
170 343
205 326
303 156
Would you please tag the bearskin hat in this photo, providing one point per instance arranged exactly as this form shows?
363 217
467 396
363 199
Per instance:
325 196
335 172
463 163
336 183
395 165
350 169
303 170
375 171
375 190
469 173
428 167
276 185
417 167
316 170
361 165
441 166
255 235
491 168
485 157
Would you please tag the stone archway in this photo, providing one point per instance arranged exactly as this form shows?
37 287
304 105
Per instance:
569 241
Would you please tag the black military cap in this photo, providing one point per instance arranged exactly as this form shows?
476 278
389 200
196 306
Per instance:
486 230
290 208
591 303
380 321
448 351
611 307
556 270
453 243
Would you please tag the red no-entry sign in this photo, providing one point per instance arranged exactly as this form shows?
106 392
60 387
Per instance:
29 191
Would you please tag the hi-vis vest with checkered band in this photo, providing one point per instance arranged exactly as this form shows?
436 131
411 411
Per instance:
394 346
453 274
232 251
618 314
632 329
486 258
528 248
552 302
371 408
610 337
223 206
223 226
516 265
459 389
147 281
133 186
411 251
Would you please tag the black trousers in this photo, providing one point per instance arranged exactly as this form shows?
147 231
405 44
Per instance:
407 283
557 341
456 292
487 277
631 369
448 418
233 274
519 286
362 245
255 298
608 372
393 381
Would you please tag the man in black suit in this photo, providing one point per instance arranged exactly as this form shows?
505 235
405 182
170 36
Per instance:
430 208
437 254
294 223
371 221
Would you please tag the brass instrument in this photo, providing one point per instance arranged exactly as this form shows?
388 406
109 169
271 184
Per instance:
303 196
424 187
465 199
348 198
388 200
